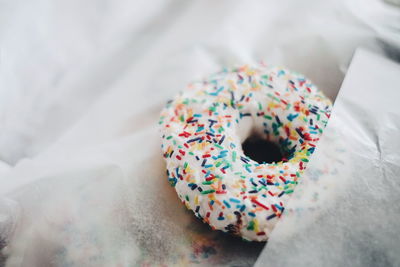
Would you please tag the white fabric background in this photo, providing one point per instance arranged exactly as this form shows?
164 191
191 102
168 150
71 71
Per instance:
81 86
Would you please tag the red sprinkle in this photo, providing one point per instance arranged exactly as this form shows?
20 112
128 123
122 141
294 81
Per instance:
260 204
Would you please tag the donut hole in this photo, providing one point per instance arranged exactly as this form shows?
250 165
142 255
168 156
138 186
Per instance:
262 150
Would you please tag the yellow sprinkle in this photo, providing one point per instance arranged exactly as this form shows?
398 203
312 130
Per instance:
250 72
187 205
256 225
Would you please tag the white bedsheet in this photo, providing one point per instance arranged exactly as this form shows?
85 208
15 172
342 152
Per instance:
81 86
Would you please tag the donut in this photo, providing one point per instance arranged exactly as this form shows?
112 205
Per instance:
202 132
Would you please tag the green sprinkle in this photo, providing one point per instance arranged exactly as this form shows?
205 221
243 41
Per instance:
268 117
207 192
251 226
219 146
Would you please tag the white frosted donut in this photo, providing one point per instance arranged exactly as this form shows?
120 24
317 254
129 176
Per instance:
203 129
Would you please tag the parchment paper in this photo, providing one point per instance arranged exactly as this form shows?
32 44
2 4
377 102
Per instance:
346 210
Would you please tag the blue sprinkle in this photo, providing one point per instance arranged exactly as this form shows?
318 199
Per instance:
247 169
241 115
291 117
226 204
234 200
172 181
244 159
217 92
281 72
199 129
299 132
194 140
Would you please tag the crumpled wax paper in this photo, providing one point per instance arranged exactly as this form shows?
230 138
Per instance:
82 181
346 210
